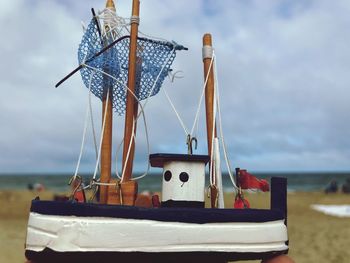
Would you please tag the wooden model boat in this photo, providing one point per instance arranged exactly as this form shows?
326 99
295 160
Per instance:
120 70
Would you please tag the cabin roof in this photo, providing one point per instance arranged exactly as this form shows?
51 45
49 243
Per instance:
158 159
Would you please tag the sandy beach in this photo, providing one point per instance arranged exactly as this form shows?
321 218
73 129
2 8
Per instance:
314 237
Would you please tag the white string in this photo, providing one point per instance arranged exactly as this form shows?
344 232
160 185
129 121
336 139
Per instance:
93 126
148 150
97 182
114 21
103 184
202 95
84 132
220 128
83 140
135 20
176 113
158 76
117 24
218 175
141 112
109 18
144 119
195 132
85 128
195 122
207 51
129 148
114 24
116 159
122 23
141 107
217 111
102 134
111 23
175 75
212 164
172 78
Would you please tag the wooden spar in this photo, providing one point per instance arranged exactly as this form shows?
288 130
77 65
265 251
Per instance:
131 103
106 149
209 104
209 92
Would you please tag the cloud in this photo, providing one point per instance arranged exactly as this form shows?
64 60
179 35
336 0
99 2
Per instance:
282 69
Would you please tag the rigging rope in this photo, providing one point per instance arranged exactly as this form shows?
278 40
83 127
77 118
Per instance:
114 25
144 120
176 113
102 133
195 121
155 58
212 164
84 135
141 110
93 127
117 24
113 61
227 161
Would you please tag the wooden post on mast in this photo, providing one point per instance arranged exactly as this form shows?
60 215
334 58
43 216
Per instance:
106 149
131 104
209 104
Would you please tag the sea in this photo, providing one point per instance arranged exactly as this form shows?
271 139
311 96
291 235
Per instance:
297 181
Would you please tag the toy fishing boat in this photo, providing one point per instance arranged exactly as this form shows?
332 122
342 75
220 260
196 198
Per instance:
123 69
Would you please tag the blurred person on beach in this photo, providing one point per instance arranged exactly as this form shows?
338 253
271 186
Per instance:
346 187
38 187
332 187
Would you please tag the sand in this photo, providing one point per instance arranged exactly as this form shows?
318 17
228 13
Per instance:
314 237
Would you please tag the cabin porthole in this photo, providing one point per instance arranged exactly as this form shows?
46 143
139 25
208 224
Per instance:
184 177
167 175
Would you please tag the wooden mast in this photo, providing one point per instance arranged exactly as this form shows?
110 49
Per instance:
131 106
106 149
209 103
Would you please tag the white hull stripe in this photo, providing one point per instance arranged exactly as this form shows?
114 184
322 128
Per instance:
87 234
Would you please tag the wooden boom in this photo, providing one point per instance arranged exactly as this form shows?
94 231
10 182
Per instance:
106 149
131 107
209 106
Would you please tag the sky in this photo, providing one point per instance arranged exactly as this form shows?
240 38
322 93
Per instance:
283 73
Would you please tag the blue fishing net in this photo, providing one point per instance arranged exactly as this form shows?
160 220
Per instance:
154 59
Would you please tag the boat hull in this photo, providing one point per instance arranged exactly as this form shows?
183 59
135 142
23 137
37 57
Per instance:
58 229
72 234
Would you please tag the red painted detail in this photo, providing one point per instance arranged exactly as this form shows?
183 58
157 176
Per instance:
79 196
249 181
155 201
241 203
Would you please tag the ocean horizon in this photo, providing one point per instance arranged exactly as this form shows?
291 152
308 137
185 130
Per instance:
58 182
